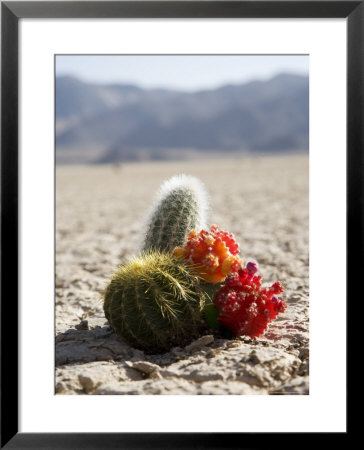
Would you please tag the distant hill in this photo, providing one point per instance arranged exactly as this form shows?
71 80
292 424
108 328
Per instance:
111 123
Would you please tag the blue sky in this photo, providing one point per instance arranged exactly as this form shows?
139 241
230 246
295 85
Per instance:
184 72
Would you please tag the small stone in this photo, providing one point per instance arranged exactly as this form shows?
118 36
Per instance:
83 325
145 367
201 342
253 357
60 387
233 344
87 383
202 377
211 353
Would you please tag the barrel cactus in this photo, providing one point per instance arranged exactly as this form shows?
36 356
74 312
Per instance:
154 302
181 206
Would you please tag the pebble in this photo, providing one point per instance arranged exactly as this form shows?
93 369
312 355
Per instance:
199 343
83 325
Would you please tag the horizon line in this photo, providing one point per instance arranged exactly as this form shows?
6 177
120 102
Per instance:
181 89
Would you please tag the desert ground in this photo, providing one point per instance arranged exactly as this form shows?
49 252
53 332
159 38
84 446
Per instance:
263 201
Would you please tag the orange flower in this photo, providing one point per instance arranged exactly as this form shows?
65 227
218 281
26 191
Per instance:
213 254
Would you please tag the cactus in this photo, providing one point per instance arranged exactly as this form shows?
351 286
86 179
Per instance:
154 302
180 206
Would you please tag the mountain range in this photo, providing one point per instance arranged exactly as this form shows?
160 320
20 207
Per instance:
98 123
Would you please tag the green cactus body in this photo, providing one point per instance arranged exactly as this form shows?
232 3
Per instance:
154 302
179 208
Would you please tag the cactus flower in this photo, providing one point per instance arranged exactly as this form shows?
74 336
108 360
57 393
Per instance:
213 253
244 306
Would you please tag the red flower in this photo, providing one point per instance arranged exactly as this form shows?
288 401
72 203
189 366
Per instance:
244 306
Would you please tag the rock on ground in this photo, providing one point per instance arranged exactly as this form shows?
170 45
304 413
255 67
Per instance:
99 209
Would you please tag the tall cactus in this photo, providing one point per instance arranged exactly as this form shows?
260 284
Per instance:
154 302
181 206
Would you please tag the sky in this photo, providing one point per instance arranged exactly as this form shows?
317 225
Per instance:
182 72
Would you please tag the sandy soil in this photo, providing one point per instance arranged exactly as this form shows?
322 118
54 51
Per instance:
263 201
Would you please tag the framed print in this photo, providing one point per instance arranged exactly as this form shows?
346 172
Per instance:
175 316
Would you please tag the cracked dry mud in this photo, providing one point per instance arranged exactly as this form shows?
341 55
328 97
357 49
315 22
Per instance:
99 210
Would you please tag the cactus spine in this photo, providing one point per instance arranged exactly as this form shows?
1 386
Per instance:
181 206
154 302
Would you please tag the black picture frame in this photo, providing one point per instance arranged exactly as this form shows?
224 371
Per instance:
11 12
